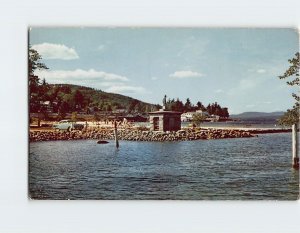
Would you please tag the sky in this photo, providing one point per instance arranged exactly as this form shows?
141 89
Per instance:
236 67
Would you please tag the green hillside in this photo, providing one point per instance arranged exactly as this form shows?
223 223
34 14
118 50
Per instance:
69 98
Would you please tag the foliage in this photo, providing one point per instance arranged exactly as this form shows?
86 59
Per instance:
292 115
74 116
201 106
34 61
63 109
293 71
216 109
132 105
78 99
97 117
36 89
198 119
70 98
188 105
212 109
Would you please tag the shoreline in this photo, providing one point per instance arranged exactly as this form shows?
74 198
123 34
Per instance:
132 134
254 130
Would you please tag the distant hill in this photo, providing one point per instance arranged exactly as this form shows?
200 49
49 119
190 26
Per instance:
250 115
93 98
258 117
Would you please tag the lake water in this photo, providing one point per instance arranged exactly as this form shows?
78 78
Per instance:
227 169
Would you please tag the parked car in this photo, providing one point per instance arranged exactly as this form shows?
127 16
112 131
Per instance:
68 125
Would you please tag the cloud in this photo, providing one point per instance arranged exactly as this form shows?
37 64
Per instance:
250 106
244 86
261 71
154 78
56 51
108 82
101 47
185 74
126 89
267 102
219 91
121 88
78 74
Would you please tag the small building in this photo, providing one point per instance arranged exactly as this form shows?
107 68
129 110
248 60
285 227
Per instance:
165 120
187 116
202 113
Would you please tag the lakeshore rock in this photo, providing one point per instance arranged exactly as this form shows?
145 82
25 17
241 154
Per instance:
139 135
102 142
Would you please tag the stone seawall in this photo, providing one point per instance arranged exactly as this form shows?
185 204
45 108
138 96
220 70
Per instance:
139 135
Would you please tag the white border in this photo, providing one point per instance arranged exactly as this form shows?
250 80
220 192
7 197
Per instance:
18 214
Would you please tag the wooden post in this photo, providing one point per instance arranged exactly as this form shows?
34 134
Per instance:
116 135
295 147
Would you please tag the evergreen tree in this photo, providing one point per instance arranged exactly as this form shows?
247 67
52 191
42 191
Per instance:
187 105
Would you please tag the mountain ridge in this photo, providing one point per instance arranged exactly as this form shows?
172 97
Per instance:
275 114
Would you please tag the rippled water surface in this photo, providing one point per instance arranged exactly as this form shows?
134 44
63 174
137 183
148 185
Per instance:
246 168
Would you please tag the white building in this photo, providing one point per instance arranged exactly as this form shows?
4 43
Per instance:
188 116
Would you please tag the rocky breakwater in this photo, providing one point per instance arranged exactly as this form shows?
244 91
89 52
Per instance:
139 135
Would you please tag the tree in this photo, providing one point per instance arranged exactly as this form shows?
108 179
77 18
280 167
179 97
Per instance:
178 106
34 62
209 109
43 89
78 99
147 108
225 112
292 115
108 108
63 109
132 105
170 104
66 89
198 119
200 106
74 116
188 105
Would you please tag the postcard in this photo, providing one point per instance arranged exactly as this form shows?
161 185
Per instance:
141 113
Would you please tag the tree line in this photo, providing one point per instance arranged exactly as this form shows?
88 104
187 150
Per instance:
187 106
